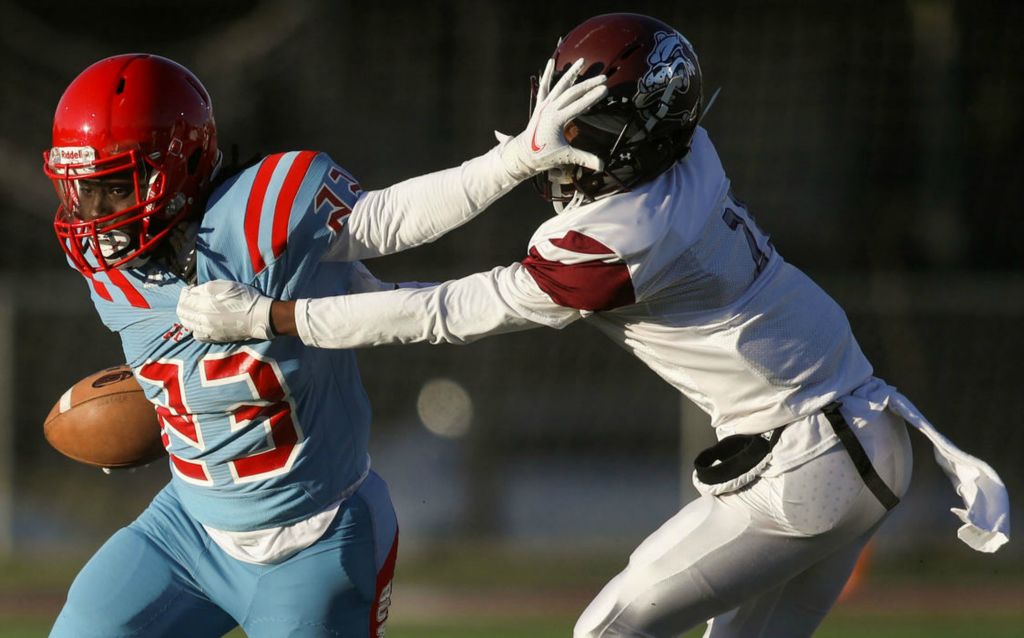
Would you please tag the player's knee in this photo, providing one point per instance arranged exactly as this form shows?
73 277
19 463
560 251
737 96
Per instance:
585 628
601 617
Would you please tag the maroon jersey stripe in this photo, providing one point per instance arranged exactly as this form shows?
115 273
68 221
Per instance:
254 209
580 243
590 285
286 199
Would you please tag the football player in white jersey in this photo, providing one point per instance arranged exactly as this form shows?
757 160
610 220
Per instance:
656 252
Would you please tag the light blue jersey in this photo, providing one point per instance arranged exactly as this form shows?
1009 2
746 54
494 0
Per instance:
260 434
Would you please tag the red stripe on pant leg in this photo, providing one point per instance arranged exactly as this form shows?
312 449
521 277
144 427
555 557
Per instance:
382 602
254 209
286 199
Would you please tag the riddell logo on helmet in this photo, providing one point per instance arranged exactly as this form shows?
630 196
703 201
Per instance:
61 155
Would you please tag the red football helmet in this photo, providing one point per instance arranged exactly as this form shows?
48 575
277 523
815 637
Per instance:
149 122
654 103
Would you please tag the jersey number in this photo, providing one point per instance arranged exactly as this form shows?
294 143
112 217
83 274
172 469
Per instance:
337 209
734 221
272 406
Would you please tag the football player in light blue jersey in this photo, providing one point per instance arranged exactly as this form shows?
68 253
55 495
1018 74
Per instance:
273 519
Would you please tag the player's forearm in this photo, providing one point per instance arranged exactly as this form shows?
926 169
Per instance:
362 280
422 209
502 300
456 312
282 313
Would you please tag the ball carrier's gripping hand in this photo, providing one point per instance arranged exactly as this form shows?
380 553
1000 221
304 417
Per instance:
223 311
542 146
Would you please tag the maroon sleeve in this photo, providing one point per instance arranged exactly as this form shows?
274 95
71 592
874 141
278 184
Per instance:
587 281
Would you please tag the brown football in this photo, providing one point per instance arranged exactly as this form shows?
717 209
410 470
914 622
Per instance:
105 420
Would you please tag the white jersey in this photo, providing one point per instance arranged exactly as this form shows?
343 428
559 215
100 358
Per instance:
676 272
683 278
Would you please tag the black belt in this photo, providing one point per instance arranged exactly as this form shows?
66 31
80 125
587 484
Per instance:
859 457
734 456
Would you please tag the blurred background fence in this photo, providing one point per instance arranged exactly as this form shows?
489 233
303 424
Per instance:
879 142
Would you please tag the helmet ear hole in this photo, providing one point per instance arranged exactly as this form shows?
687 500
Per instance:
193 161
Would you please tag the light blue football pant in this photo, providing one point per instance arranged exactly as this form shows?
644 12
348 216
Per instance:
163 576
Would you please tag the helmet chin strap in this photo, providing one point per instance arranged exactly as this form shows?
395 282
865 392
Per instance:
556 194
559 178
559 203
181 250
218 163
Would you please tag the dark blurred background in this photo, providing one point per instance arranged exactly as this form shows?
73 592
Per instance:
879 143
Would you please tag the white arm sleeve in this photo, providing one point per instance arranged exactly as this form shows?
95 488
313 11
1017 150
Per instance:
362 280
419 210
460 311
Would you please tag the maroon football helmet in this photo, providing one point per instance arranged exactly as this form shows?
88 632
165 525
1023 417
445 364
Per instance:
654 103
146 121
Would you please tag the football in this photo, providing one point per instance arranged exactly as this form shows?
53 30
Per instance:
105 420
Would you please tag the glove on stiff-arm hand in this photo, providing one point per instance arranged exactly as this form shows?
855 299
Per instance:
222 311
542 146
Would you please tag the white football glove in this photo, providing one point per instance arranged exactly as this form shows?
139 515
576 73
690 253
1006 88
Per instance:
222 311
542 146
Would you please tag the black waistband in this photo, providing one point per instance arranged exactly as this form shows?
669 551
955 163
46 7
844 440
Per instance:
860 457
734 456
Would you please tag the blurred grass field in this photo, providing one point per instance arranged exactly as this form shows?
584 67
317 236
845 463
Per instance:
841 624
844 622
478 592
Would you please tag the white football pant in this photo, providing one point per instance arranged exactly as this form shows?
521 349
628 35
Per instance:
767 561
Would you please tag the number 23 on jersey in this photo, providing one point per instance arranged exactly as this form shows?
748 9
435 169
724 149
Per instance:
268 411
